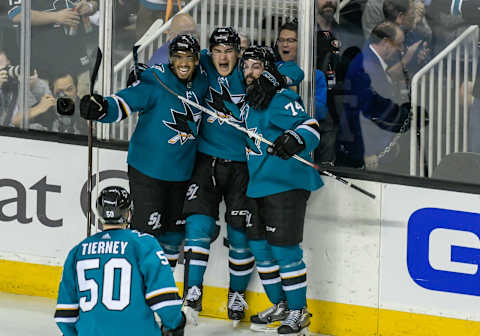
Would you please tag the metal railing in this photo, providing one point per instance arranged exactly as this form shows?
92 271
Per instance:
260 20
447 129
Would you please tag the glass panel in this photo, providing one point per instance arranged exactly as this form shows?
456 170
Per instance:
10 74
63 36
397 77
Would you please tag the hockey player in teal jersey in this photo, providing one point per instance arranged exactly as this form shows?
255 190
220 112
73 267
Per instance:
115 280
279 188
220 173
163 147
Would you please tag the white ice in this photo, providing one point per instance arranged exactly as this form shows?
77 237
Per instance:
22 315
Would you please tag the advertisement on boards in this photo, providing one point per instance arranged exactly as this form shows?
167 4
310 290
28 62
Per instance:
43 196
430 252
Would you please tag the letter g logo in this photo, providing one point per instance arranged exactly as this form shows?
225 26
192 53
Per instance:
443 250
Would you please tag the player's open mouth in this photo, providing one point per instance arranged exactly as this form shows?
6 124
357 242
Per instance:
223 66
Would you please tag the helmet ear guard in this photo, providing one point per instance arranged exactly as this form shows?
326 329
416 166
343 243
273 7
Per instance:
114 206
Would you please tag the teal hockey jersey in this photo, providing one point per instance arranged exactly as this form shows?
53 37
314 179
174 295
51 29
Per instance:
292 72
112 282
164 143
270 174
217 138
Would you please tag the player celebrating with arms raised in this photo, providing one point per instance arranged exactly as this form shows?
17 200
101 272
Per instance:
220 172
163 146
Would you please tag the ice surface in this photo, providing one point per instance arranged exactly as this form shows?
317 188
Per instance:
22 315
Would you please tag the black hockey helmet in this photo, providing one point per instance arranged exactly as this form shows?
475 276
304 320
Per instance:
113 205
263 54
225 35
184 42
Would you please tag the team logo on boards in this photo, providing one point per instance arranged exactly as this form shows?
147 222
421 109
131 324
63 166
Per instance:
443 250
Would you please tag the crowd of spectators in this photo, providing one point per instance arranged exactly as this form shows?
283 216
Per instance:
353 104
368 57
61 32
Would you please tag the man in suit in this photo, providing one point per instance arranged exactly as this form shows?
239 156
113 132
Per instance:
373 118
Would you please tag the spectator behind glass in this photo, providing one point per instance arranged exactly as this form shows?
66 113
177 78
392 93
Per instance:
404 13
181 24
286 51
373 14
150 11
374 120
244 42
59 31
337 44
64 86
39 98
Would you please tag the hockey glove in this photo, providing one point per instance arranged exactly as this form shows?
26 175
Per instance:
287 145
177 331
133 77
93 107
260 93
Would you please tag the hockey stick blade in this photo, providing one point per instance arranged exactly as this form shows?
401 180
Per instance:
260 138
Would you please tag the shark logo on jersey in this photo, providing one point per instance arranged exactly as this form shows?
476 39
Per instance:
159 67
217 99
185 124
253 144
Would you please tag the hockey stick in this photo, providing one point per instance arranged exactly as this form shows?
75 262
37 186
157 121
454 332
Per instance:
262 139
96 67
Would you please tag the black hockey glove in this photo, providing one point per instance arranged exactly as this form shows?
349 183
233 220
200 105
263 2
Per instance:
132 77
93 107
287 145
178 331
260 93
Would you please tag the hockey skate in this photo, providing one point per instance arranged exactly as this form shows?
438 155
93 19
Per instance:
263 320
193 305
236 307
296 323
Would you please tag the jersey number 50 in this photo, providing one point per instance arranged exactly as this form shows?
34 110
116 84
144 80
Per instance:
91 285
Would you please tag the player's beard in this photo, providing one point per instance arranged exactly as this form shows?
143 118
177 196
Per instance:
247 78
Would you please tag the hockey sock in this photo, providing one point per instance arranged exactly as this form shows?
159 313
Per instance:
199 231
293 273
268 270
240 260
170 242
